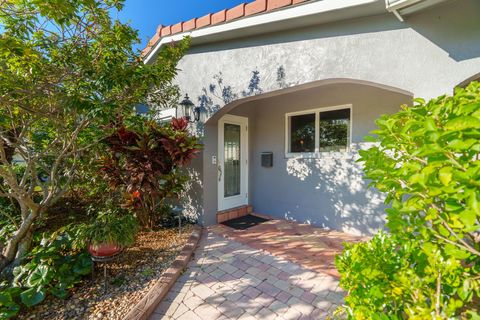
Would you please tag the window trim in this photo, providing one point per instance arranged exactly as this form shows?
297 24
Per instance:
166 115
316 111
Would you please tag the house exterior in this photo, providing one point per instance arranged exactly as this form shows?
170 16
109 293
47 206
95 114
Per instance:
289 88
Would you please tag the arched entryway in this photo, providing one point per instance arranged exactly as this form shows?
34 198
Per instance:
467 81
304 177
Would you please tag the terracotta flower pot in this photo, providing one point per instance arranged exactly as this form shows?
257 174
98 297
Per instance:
104 250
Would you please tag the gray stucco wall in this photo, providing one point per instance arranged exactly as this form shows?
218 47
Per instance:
428 55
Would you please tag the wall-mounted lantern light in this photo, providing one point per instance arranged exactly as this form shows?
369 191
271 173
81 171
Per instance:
187 109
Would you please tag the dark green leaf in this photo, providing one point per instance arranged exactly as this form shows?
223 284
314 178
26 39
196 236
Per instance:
32 296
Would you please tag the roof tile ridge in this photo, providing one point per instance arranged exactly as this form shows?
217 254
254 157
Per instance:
223 16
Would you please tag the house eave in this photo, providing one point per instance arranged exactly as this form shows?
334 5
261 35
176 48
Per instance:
307 14
402 8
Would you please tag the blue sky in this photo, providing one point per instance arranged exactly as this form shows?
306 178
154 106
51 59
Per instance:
146 15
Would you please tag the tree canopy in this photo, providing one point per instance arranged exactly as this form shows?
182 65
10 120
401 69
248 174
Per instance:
67 70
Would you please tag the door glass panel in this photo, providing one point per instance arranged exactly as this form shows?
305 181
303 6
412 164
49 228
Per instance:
232 160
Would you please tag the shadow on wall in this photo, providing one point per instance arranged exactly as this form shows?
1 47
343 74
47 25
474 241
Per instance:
191 197
436 26
218 93
343 199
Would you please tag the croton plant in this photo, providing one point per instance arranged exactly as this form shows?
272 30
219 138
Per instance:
146 161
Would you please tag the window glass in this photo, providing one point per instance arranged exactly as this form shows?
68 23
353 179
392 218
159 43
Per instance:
302 133
333 130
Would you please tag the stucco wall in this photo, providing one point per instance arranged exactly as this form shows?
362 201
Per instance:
427 55
192 199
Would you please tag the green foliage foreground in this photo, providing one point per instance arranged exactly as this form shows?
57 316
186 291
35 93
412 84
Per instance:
67 70
427 161
53 267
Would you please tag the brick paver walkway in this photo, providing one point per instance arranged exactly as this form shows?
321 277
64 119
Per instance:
311 247
231 280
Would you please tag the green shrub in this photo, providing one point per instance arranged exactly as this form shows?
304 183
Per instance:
146 163
368 271
52 267
112 225
427 161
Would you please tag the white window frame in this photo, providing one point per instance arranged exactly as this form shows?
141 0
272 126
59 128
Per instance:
166 115
316 111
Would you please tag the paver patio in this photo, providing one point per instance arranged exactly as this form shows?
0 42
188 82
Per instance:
311 247
229 279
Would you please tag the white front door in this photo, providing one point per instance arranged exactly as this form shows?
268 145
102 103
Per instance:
232 162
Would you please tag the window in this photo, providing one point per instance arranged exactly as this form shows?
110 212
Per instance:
333 130
320 130
302 133
166 115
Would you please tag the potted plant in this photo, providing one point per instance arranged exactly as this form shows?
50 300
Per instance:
110 232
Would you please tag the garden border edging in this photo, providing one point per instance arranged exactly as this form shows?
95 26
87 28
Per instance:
145 307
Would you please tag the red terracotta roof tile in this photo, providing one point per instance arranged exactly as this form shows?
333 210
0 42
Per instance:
189 25
146 50
219 16
154 40
204 21
236 12
166 31
275 4
255 7
176 28
159 28
226 15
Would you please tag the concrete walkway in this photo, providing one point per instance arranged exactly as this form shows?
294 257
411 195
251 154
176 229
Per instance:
231 280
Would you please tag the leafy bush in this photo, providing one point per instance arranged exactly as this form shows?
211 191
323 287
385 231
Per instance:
368 271
112 226
53 267
145 162
427 161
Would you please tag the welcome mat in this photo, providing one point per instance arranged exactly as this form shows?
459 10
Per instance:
244 222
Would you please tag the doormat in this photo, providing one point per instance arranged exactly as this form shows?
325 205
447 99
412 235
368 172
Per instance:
244 222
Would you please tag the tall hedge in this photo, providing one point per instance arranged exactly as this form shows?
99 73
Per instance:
427 161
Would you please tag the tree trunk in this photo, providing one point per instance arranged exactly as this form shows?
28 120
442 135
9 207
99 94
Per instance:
3 260
19 243
25 245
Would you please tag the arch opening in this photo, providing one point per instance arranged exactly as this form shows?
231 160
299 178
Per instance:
325 188
467 81
302 88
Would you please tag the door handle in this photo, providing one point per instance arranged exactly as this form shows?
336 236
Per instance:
219 173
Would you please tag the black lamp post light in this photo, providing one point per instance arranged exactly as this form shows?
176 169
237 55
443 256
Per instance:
187 109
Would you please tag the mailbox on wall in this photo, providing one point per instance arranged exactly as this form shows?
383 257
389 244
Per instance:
267 159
